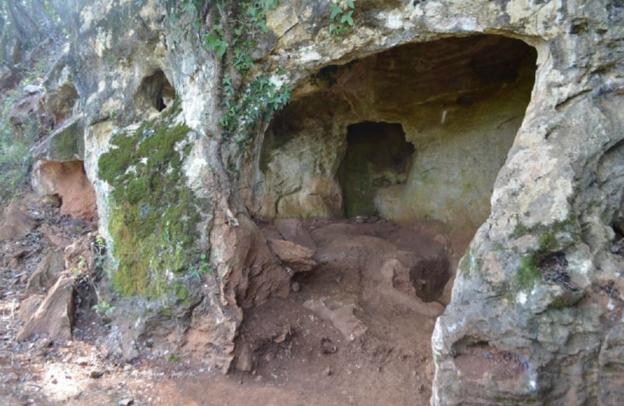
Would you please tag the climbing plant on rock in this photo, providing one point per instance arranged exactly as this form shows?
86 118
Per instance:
341 17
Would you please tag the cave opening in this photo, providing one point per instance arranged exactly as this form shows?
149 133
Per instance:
377 156
67 181
379 172
155 92
416 133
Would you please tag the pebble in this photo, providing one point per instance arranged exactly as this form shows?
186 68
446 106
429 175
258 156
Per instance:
95 374
296 287
125 402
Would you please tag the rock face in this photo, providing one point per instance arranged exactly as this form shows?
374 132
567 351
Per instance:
518 134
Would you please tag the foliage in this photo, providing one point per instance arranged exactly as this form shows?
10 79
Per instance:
528 273
257 101
232 41
104 308
341 17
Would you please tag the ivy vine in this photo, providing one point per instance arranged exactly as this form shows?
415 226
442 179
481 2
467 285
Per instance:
341 17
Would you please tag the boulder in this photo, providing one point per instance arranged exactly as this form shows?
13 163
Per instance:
297 257
55 316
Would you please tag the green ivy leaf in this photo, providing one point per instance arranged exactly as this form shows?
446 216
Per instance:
216 44
335 12
347 19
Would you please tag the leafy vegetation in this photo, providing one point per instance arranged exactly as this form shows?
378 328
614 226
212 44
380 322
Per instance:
104 308
341 17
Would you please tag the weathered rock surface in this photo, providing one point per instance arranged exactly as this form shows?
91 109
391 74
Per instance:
530 153
54 316
68 181
298 257
47 272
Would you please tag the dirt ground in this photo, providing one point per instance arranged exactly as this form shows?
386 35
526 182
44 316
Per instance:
353 330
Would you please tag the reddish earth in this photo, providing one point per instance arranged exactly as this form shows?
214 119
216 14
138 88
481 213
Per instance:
68 181
353 331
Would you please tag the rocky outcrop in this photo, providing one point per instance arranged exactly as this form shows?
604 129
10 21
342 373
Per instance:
535 314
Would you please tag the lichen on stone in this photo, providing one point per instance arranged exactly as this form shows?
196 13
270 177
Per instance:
153 213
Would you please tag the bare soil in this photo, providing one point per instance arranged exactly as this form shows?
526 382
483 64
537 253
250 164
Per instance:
353 331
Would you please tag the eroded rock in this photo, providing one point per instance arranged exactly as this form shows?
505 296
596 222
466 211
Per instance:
298 257
55 315
47 272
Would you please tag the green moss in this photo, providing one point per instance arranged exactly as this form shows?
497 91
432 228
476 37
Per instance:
181 292
153 214
528 274
551 239
559 303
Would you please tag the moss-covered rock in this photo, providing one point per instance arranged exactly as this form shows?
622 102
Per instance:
153 214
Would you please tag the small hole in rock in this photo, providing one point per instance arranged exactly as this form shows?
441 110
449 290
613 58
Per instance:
155 92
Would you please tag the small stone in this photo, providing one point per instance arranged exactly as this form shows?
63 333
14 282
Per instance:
125 402
327 346
96 373
296 287
328 371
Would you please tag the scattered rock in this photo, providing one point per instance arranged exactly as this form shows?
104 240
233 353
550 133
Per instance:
328 346
126 402
54 316
96 373
79 255
341 315
283 336
297 256
295 287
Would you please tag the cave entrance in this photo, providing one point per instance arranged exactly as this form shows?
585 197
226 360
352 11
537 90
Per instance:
155 92
377 156
68 182
415 133
373 180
